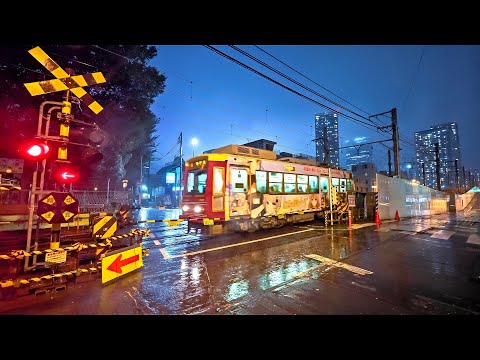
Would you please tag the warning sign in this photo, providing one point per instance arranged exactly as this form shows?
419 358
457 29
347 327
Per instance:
351 200
121 262
56 257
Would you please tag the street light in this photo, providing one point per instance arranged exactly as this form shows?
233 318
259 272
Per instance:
194 142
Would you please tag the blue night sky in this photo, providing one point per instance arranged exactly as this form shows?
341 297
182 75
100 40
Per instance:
219 102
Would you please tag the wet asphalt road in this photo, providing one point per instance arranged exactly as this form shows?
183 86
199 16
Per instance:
415 266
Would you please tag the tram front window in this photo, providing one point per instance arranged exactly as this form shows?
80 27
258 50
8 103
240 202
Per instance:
196 181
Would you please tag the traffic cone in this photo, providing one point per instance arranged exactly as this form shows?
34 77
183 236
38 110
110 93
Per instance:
377 218
397 217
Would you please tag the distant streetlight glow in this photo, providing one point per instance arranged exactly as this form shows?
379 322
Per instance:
194 142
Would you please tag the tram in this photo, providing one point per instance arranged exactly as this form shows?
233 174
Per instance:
240 188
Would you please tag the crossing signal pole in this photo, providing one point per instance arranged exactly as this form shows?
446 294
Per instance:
64 81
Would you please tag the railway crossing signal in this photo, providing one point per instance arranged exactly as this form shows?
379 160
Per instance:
66 175
64 81
34 150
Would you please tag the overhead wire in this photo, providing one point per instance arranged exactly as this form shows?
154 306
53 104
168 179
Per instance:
287 88
361 123
298 83
414 77
306 77
401 138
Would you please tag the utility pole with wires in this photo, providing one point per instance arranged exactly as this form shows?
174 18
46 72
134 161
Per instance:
423 172
456 174
395 138
437 166
326 150
180 140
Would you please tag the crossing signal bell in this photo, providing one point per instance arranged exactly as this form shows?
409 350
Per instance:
34 150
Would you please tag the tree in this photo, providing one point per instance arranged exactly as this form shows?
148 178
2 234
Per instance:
131 88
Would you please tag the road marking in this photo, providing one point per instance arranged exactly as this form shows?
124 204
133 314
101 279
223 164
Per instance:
474 239
305 272
331 262
156 242
232 245
442 234
359 226
165 254
152 235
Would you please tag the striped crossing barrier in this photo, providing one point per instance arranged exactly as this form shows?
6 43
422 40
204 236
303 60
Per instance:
20 254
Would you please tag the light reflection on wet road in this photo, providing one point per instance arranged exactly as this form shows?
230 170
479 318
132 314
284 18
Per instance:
206 282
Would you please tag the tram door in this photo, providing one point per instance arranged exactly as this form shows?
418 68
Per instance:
239 200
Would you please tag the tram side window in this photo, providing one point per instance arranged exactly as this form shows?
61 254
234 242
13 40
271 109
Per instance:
349 185
313 183
275 182
324 184
302 183
335 182
196 182
343 185
261 177
239 180
202 182
289 180
218 180
191 182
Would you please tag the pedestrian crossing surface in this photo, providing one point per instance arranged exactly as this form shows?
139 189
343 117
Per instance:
454 231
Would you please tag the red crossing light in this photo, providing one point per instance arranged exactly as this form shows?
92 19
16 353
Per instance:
66 175
34 150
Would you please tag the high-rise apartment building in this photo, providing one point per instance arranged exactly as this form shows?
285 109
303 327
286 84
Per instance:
450 161
326 138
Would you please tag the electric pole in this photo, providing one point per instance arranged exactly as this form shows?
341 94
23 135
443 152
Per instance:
395 139
464 180
180 172
456 174
437 165
423 170
389 163
326 150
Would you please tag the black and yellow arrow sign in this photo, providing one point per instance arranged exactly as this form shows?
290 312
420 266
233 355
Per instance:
64 81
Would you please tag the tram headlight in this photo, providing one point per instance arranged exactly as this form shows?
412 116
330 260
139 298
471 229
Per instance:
197 209
185 208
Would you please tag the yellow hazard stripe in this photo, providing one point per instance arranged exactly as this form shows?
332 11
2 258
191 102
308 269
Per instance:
99 78
101 223
59 73
106 242
48 63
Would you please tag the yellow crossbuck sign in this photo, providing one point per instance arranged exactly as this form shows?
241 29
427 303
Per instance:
64 81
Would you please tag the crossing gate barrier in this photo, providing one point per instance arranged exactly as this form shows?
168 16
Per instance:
102 225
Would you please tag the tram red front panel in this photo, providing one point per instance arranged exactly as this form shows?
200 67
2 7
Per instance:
209 195
205 200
